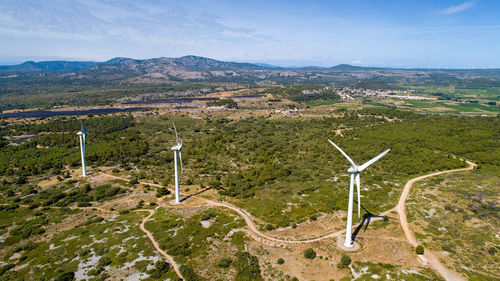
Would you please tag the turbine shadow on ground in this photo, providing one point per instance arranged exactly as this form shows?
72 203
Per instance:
366 219
194 194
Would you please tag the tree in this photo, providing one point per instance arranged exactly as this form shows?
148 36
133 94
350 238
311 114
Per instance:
420 250
281 261
345 261
188 273
247 267
309 254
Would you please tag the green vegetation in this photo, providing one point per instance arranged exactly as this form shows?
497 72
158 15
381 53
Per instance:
463 221
308 94
224 262
110 140
282 170
309 253
229 103
345 261
247 267
190 242
294 160
84 244
369 271
420 250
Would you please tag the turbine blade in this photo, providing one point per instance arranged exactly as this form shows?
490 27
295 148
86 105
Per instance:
364 166
176 136
359 193
83 143
81 123
343 153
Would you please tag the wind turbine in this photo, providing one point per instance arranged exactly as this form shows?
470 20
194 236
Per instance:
177 150
354 171
82 134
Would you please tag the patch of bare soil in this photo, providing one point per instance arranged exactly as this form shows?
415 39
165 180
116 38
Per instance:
386 245
311 229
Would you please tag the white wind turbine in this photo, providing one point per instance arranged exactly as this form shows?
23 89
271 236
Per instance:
177 149
354 171
82 134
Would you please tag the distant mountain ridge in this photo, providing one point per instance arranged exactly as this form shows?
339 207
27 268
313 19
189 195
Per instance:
190 62
29 66
128 71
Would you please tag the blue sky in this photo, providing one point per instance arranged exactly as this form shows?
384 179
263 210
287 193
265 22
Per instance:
440 33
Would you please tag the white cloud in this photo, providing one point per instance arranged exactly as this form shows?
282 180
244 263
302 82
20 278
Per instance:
459 8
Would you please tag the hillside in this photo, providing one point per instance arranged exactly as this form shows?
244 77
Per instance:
31 66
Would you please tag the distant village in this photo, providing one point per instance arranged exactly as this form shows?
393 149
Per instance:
347 93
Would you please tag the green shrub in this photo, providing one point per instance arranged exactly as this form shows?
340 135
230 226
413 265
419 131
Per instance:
188 273
309 254
162 191
5 268
281 261
104 261
140 204
247 267
224 262
345 261
420 250
133 181
66 276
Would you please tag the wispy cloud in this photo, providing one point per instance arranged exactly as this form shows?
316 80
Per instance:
459 8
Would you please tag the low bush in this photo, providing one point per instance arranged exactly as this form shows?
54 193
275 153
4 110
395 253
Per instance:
309 254
420 250
224 262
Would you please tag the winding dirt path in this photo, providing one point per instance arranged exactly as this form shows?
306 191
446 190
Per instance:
256 234
169 258
432 259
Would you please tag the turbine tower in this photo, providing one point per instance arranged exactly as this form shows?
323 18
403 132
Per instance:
354 171
177 150
82 134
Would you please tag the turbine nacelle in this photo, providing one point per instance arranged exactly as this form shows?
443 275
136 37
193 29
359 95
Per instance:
353 169
177 147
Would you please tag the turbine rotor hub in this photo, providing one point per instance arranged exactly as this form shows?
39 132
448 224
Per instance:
353 169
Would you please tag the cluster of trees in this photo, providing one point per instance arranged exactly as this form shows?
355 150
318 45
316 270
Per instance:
110 139
296 93
247 267
82 196
259 159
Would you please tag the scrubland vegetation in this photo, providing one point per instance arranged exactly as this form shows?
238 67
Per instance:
460 219
281 170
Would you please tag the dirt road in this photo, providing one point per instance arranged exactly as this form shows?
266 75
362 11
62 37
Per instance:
169 258
432 259
261 237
